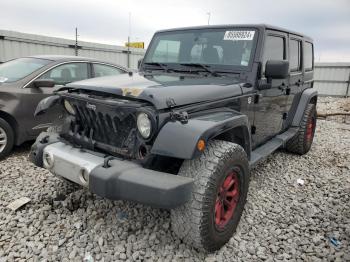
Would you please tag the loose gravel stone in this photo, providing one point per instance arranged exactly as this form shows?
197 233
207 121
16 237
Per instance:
282 219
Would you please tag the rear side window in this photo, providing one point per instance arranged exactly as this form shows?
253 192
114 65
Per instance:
274 49
308 56
105 70
295 55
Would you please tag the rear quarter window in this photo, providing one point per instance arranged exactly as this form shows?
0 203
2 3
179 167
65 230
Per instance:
308 56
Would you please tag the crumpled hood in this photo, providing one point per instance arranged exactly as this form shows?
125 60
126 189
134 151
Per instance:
158 89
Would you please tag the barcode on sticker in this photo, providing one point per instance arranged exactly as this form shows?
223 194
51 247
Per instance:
239 35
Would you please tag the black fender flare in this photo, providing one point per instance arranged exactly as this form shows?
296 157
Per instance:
180 140
304 100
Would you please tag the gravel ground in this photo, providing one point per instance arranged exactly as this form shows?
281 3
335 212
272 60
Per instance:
282 220
333 104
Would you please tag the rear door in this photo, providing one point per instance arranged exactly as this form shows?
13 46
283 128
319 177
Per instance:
296 77
271 106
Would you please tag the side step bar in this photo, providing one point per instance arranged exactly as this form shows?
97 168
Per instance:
271 146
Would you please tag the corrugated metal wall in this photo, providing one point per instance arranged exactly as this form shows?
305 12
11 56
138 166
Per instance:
332 79
15 44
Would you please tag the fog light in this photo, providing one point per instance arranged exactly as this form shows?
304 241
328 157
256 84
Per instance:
48 160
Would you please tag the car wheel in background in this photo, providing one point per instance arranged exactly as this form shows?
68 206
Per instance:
6 138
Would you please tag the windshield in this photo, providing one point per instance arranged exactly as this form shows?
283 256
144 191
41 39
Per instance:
17 69
217 48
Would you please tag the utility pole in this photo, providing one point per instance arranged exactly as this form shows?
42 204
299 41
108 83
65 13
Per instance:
208 14
76 41
129 40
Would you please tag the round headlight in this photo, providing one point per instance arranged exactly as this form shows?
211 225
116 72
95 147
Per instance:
69 107
144 125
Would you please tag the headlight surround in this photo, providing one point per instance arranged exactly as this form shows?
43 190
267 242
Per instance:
68 106
144 125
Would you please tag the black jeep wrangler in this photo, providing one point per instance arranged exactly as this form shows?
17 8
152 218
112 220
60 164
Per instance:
207 104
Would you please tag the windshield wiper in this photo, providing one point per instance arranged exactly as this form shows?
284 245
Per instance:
162 66
203 66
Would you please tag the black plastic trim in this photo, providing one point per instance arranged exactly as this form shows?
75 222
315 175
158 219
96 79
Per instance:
127 180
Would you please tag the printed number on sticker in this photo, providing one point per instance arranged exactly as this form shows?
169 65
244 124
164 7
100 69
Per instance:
239 35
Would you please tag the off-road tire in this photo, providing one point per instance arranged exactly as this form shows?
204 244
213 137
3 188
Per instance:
10 138
302 141
194 222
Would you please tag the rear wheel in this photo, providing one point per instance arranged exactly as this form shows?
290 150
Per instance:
219 194
302 141
6 138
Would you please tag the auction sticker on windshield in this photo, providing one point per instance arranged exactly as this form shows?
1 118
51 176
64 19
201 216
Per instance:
239 35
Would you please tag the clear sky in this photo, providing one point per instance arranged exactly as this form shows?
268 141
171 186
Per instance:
107 21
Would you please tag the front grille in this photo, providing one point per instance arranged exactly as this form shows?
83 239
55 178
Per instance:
108 128
101 126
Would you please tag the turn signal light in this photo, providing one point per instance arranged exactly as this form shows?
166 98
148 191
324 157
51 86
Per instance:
201 145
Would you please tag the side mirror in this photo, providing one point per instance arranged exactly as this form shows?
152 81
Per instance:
43 83
139 63
276 69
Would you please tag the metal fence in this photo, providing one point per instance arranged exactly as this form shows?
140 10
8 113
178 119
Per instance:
16 44
332 79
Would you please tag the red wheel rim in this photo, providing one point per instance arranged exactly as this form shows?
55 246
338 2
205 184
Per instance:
310 129
226 200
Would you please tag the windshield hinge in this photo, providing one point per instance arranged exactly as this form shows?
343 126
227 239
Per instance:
179 116
170 102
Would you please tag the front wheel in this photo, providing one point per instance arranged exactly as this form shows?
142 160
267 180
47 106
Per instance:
6 138
219 194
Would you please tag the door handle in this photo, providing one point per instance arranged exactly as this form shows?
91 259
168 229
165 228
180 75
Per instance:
288 91
298 83
282 87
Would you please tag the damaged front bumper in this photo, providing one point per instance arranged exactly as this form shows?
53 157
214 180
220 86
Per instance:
112 178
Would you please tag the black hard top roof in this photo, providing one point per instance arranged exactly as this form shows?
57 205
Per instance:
257 26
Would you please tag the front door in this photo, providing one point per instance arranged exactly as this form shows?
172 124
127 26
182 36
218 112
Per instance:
271 103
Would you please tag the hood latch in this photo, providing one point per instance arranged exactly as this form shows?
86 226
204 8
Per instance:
179 116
